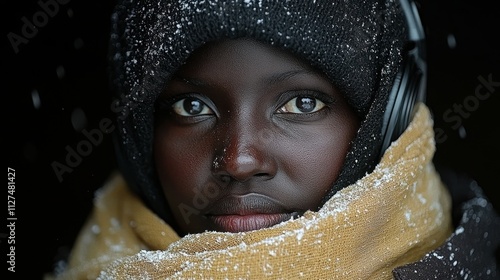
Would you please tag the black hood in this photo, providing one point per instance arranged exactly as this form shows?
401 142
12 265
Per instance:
357 44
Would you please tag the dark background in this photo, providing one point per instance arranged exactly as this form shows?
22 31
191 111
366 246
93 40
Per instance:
54 87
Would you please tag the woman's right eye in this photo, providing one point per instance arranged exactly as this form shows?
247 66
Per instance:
191 107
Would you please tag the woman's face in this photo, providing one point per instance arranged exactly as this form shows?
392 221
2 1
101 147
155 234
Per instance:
248 136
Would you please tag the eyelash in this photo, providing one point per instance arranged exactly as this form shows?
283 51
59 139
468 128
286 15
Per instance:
167 104
288 96
165 108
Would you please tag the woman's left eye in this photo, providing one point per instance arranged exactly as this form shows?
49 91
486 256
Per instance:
302 105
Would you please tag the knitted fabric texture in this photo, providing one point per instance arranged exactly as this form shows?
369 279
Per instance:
391 217
357 44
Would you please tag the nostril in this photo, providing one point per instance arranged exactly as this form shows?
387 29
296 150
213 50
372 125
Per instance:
225 178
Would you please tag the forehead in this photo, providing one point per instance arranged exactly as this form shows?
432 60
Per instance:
243 59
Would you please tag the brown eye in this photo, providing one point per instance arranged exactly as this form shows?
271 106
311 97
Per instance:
302 105
191 106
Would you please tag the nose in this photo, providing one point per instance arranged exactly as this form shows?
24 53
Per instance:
242 157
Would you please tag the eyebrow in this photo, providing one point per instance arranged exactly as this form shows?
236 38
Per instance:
280 77
273 79
192 81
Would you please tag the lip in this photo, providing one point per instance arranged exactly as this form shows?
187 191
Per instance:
241 223
239 213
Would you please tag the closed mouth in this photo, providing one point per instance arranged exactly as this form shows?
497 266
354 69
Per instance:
241 223
239 213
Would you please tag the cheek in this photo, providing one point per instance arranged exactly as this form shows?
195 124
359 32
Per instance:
313 164
180 166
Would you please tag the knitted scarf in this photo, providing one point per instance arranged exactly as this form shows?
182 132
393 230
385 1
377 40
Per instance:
391 217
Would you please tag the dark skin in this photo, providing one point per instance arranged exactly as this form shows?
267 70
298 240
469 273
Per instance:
248 136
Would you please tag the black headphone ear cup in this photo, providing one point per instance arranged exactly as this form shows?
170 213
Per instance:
401 103
390 118
409 84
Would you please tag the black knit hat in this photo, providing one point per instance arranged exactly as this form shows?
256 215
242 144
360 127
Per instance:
357 44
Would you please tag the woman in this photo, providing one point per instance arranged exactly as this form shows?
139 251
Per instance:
249 147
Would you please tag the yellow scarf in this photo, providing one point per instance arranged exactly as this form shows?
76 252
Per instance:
391 217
